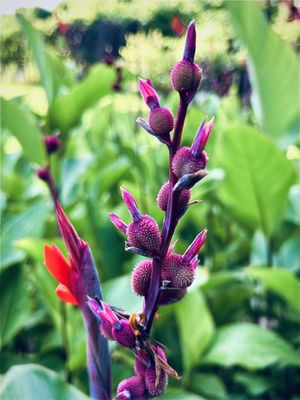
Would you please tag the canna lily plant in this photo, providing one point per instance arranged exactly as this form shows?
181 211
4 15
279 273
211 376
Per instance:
164 276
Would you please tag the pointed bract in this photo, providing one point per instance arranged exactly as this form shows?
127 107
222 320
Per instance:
190 43
118 223
148 93
195 247
202 137
131 205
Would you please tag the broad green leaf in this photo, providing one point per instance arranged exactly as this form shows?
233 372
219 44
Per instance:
14 306
196 327
117 292
209 385
66 111
22 125
274 69
176 394
31 381
257 178
30 223
288 255
280 281
37 45
249 346
113 173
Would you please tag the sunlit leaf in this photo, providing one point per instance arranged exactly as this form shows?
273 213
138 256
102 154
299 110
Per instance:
280 281
257 178
22 125
274 69
249 346
26 382
196 327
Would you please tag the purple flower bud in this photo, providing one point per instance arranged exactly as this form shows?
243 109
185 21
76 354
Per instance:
163 197
131 205
132 388
171 296
141 276
161 121
118 223
190 43
186 76
195 246
179 272
123 334
52 144
185 162
148 93
202 137
156 379
142 361
144 234
43 174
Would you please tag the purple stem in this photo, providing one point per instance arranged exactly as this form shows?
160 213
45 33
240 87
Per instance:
170 221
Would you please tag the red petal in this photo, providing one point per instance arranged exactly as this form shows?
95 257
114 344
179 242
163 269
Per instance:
64 294
57 264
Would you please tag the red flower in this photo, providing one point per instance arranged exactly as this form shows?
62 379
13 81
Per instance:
60 269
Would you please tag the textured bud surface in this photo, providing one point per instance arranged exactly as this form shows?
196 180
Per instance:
180 273
185 163
134 386
144 234
161 121
151 375
140 277
122 333
186 76
163 197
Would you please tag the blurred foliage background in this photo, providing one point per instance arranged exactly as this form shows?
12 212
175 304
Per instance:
73 71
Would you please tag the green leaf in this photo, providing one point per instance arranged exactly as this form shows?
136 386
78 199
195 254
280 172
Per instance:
249 346
254 384
176 394
28 382
117 292
30 223
257 178
37 45
14 304
22 125
66 111
274 69
209 385
280 281
196 327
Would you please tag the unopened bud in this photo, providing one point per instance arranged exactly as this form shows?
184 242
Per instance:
185 162
186 76
43 174
52 143
163 197
161 121
141 276
132 388
144 234
180 273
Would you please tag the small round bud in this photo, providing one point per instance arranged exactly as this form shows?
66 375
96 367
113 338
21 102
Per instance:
171 297
52 144
132 388
43 174
186 76
181 274
144 234
185 163
163 197
123 334
140 277
161 121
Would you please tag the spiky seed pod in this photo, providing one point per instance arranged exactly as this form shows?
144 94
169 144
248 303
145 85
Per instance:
140 277
144 234
186 76
151 376
134 386
185 163
123 334
161 121
163 197
181 274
